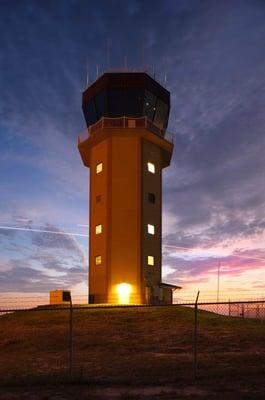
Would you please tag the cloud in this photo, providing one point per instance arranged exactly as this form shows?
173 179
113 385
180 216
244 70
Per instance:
187 270
49 261
31 280
47 239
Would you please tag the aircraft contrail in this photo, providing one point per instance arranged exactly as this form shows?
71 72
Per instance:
17 228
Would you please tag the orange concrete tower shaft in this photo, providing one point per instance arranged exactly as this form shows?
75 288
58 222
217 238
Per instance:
126 151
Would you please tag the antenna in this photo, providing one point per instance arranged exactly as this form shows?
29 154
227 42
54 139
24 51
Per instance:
143 57
125 62
164 65
108 52
97 70
87 74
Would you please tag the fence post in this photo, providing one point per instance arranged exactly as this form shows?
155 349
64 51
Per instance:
229 308
195 341
257 312
71 338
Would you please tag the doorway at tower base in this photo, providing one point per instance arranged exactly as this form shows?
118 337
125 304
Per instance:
124 297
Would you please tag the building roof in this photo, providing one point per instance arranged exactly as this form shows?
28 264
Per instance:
126 79
169 286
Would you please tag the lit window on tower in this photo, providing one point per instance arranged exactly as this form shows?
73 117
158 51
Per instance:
99 168
151 229
98 260
98 229
151 167
150 260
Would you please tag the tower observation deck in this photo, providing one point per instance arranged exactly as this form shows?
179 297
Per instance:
125 149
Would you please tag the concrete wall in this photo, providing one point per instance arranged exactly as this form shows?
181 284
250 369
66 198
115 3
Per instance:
98 279
151 214
124 212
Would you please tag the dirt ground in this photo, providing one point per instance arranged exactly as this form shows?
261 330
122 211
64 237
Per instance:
136 353
77 392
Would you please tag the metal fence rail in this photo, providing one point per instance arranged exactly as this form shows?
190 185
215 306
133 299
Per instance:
228 309
240 308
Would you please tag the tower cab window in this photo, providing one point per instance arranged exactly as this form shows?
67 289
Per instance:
151 167
99 167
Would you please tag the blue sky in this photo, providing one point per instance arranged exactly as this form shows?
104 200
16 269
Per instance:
213 55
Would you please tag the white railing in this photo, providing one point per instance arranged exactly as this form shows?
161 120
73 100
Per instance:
125 122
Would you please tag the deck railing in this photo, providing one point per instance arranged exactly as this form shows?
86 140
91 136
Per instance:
125 122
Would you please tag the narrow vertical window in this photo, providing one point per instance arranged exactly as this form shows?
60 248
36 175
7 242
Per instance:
98 260
151 167
99 167
98 229
151 198
151 229
150 260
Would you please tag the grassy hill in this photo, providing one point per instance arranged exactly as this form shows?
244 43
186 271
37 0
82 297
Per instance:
131 353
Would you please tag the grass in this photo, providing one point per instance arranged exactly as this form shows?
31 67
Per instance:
129 348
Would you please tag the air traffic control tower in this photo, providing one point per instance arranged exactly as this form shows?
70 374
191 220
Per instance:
126 150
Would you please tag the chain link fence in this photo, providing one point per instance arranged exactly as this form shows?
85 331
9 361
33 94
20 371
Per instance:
177 343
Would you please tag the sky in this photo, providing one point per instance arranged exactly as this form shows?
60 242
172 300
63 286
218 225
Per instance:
211 56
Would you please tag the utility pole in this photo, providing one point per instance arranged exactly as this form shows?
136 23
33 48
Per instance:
218 285
195 339
71 338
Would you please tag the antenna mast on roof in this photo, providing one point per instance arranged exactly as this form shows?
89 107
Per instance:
165 65
87 74
143 57
108 53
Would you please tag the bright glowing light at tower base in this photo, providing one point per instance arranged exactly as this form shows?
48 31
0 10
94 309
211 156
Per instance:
124 291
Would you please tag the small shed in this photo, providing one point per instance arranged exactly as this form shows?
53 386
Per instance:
60 296
168 292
